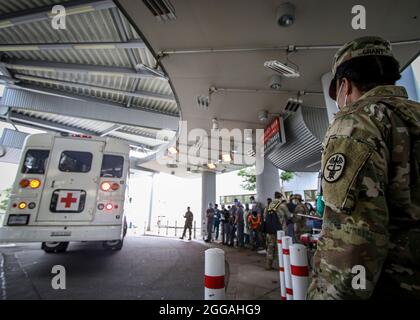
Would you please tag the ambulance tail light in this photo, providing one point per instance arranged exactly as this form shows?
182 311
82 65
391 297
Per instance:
34 184
115 186
31 183
24 183
109 186
105 186
109 206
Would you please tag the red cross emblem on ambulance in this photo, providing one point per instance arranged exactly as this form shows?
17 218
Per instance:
68 200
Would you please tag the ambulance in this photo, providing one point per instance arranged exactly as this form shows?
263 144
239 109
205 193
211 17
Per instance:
69 188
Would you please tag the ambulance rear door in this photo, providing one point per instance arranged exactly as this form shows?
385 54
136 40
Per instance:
72 179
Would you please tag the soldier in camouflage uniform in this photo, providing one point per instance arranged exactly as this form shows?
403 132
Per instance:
280 209
299 221
370 181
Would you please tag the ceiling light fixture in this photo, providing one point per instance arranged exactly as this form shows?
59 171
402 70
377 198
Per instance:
203 102
211 165
215 124
163 10
227 157
283 68
172 150
293 104
275 82
286 15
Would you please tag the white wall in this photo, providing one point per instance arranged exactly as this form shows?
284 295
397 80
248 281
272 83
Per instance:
229 184
302 181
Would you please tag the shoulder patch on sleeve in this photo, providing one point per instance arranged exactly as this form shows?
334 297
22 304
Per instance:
334 167
342 161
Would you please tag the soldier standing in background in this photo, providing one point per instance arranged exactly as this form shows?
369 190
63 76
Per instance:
216 221
275 220
298 221
189 217
209 217
370 180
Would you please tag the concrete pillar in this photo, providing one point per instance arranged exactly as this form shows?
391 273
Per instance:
268 181
208 195
149 222
329 103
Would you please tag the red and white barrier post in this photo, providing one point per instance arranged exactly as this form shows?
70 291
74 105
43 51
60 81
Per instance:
280 235
286 243
300 271
214 274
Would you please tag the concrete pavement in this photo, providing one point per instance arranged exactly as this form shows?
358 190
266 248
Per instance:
148 267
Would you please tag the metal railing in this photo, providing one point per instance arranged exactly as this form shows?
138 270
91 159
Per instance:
174 229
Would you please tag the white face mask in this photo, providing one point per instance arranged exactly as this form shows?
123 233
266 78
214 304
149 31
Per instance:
338 97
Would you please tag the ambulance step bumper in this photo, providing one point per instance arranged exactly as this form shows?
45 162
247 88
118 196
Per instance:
53 233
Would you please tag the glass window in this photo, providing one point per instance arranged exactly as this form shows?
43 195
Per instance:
288 194
310 195
112 166
35 161
75 161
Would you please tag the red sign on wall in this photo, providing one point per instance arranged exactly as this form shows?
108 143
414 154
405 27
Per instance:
274 135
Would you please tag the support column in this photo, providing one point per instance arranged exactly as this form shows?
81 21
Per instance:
149 222
208 195
268 181
329 103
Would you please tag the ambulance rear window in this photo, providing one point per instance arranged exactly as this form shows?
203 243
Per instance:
112 166
35 161
75 161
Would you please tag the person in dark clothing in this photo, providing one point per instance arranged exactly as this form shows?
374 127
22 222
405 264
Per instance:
232 226
227 224
223 223
240 223
209 217
216 221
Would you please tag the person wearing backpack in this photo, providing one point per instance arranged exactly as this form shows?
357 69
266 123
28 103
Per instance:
275 219
370 181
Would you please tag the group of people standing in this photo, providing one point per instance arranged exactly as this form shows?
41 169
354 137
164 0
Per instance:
256 227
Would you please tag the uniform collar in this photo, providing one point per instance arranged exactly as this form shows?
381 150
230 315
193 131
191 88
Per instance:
380 91
386 91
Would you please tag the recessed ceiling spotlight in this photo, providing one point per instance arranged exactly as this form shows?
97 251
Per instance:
263 115
275 82
215 124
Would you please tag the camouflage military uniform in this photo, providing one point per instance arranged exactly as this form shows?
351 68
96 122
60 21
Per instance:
282 214
299 221
371 190
189 217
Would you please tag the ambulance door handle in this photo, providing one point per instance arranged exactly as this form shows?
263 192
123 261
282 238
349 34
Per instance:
52 184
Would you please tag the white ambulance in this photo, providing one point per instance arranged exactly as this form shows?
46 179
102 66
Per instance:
69 188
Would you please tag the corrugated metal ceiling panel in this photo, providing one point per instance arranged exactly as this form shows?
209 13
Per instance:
7 6
85 124
98 26
302 150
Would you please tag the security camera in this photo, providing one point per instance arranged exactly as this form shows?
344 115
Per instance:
275 82
286 15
